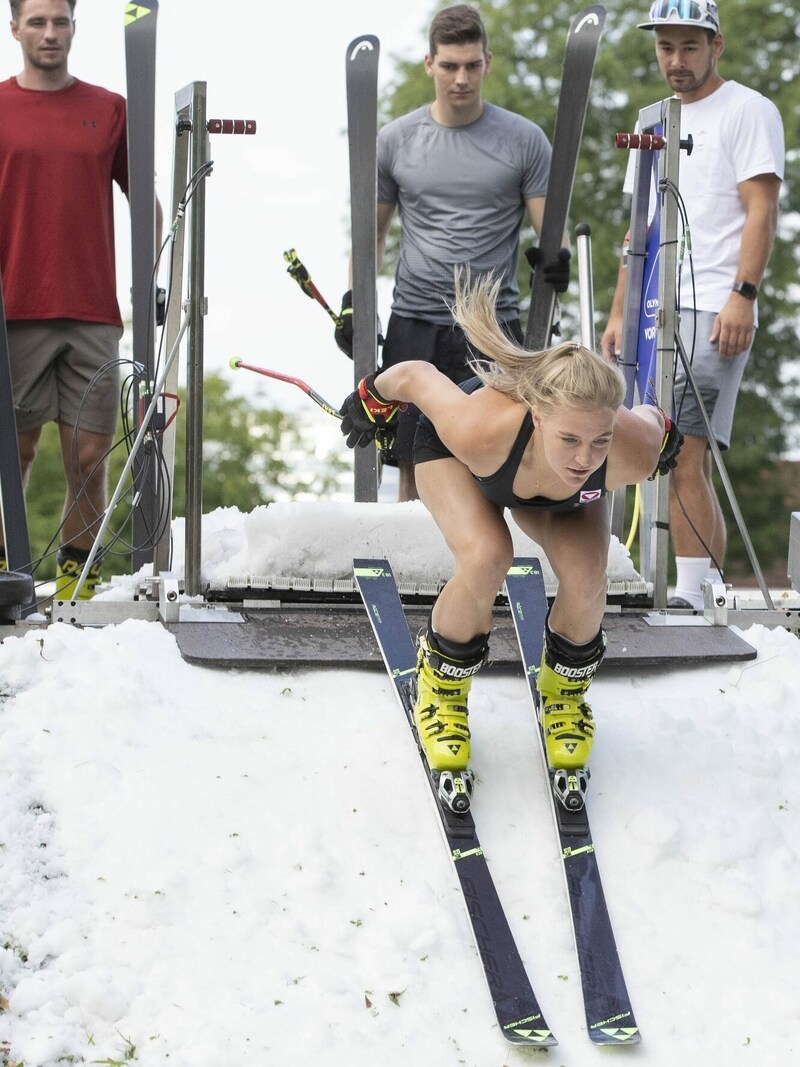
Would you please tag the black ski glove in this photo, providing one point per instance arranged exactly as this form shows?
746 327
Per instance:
555 273
367 416
670 447
343 335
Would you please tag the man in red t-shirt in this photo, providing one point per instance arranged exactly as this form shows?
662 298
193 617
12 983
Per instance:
62 145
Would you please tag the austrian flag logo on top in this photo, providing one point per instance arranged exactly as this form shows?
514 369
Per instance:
588 495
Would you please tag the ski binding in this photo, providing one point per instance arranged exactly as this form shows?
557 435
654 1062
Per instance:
454 790
570 786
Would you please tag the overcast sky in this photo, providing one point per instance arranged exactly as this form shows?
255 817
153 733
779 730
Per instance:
284 66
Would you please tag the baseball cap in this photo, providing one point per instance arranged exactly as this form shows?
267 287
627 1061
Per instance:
701 13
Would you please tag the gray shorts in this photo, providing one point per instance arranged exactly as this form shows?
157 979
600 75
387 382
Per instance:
52 363
717 379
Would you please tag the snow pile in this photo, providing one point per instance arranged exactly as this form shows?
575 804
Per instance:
320 539
204 867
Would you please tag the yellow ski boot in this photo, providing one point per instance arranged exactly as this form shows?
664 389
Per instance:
565 676
69 567
445 670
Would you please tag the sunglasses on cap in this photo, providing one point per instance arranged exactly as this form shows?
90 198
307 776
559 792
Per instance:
696 12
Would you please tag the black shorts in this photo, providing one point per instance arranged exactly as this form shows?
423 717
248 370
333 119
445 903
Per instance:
427 442
445 347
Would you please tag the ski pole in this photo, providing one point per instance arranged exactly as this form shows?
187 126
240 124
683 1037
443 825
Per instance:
303 279
323 403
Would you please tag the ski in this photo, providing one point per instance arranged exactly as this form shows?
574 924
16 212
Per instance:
580 53
362 136
517 1010
609 1015
140 64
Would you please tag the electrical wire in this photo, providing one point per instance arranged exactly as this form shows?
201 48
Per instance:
161 487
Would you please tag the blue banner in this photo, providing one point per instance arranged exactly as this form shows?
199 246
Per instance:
648 313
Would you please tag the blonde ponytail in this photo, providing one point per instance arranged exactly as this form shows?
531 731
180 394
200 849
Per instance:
567 375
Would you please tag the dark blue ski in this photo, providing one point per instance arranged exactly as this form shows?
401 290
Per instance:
516 1007
609 1015
362 135
583 41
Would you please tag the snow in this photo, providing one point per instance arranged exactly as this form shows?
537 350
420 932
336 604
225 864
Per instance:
205 867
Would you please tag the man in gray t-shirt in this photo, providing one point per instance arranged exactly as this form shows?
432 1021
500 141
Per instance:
461 172
461 192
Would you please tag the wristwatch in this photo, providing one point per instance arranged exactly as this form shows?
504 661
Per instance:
746 289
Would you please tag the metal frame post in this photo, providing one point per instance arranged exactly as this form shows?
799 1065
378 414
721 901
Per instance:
198 306
663 116
655 526
172 325
192 165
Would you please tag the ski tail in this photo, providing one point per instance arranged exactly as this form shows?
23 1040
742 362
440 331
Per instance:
583 41
361 72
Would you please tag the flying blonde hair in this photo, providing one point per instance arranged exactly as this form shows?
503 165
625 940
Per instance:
565 376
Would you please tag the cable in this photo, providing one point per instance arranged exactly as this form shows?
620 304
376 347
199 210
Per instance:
161 491
637 507
126 399
669 187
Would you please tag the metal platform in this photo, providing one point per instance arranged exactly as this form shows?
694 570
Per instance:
312 636
324 625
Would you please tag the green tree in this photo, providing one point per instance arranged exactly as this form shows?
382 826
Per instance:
253 455
527 40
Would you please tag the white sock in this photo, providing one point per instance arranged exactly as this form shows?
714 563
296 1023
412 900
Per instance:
691 571
714 575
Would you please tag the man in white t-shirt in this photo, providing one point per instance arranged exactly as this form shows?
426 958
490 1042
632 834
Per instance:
730 185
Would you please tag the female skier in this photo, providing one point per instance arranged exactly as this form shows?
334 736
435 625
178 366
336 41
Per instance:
546 436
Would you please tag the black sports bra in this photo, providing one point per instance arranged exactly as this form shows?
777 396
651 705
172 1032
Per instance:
499 487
